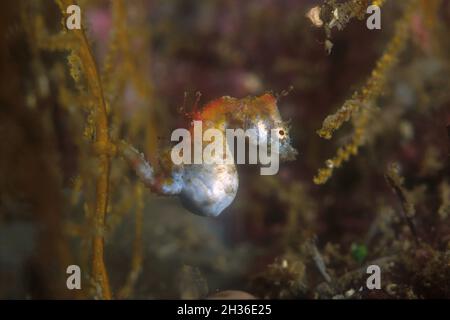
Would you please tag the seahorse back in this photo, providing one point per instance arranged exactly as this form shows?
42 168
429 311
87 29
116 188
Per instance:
232 112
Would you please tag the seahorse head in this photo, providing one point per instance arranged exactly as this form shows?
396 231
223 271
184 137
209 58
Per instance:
266 118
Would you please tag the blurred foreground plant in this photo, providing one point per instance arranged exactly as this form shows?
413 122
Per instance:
101 95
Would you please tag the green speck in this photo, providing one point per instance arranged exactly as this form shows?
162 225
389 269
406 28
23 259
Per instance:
359 252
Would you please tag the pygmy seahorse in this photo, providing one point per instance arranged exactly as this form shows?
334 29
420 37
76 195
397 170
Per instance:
207 189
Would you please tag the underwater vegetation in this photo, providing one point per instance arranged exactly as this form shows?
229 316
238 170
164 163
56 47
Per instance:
369 114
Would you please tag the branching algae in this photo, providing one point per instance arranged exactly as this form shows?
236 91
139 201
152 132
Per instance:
361 106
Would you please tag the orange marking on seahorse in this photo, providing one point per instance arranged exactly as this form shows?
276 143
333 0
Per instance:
236 111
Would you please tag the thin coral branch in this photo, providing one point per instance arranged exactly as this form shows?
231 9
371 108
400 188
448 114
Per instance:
408 209
122 67
85 58
136 261
338 14
358 107
374 85
318 260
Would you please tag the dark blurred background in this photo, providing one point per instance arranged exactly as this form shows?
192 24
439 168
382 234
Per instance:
155 57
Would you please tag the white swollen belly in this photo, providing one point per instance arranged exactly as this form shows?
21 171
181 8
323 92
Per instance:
209 188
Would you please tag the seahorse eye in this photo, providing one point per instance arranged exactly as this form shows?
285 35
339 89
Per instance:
281 132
